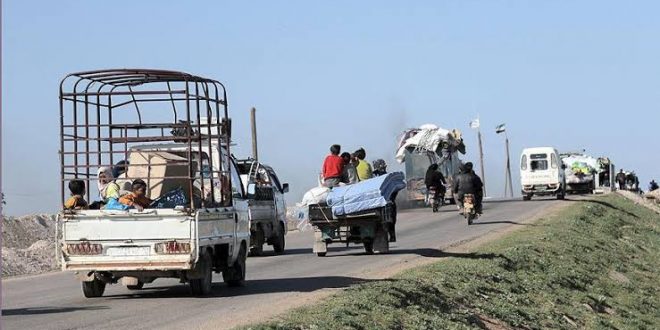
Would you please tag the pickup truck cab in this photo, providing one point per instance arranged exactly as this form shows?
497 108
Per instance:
198 220
266 205
542 173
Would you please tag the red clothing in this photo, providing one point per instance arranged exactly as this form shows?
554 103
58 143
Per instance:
332 166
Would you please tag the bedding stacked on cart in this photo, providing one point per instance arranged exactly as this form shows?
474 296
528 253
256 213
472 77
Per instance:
365 195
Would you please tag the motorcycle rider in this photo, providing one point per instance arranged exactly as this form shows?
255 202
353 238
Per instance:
436 181
468 183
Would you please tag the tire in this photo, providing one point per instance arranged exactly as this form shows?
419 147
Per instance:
527 197
280 242
561 195
138 286
258 248
369 247
203 286
93 289
470 218
321 254
234 276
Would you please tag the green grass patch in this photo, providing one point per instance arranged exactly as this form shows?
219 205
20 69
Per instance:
592 265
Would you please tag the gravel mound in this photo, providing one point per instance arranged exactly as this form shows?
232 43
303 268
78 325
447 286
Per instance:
28 245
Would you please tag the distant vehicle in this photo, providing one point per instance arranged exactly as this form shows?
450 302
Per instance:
416 164
542 173
266 205
581 172
198 221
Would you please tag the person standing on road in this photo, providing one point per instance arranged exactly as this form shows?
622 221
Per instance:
468 183
333 166
363 168
621 179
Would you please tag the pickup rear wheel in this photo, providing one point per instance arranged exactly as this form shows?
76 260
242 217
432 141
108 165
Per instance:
279 243
203 286
235 275
93 289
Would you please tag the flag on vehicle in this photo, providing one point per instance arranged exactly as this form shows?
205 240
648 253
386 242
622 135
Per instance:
475 123
500 128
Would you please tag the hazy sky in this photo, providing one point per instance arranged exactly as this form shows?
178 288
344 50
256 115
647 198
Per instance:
571 74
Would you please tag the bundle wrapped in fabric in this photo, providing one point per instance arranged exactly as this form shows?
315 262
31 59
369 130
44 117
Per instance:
430 138
365 195
579 168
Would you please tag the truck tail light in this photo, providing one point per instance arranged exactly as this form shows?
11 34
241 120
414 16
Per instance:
83 248
172 247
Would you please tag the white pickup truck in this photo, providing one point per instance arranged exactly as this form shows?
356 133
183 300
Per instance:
107 246
266 205
171 130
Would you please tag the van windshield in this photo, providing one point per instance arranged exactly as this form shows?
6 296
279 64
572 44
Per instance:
539 162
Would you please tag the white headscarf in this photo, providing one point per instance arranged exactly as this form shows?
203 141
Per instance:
108 177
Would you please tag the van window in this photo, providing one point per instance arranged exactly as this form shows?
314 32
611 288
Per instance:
539 162
523 163
553 161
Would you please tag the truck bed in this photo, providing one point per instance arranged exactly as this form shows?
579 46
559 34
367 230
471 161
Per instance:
322 214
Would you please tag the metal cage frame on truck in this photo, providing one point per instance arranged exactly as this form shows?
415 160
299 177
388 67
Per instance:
94 132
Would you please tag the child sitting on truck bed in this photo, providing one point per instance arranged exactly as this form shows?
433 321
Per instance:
76 201
136 198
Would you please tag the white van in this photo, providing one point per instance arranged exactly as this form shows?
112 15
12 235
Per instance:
541 173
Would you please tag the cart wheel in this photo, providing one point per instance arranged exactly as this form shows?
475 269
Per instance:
369 247
321 254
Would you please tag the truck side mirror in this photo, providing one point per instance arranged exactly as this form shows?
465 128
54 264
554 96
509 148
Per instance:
251 189
285 188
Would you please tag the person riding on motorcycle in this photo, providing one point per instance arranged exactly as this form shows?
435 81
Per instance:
468 183
434 180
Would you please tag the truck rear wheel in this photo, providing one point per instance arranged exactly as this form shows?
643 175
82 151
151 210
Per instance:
369 246
258 248
280 242
203 286
235 275
527 197
561 194
93 289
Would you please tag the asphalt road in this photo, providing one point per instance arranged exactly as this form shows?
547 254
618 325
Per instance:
55 300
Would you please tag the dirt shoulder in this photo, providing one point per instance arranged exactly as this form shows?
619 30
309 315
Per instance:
589 265
28 245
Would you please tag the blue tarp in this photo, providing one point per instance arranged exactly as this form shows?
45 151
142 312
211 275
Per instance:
365 195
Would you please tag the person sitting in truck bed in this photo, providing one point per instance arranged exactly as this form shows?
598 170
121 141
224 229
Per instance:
349 172
333 166
76 201
108 188
363 167
137 198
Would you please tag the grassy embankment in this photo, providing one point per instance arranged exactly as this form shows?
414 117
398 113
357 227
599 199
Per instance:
592 265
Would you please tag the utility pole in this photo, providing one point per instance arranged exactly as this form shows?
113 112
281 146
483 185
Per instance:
476 124
253 121
508 184
508 166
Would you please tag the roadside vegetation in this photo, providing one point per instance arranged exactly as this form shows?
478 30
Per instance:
591 265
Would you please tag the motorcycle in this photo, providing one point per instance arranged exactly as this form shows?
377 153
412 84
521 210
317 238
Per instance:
469 208
432 201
